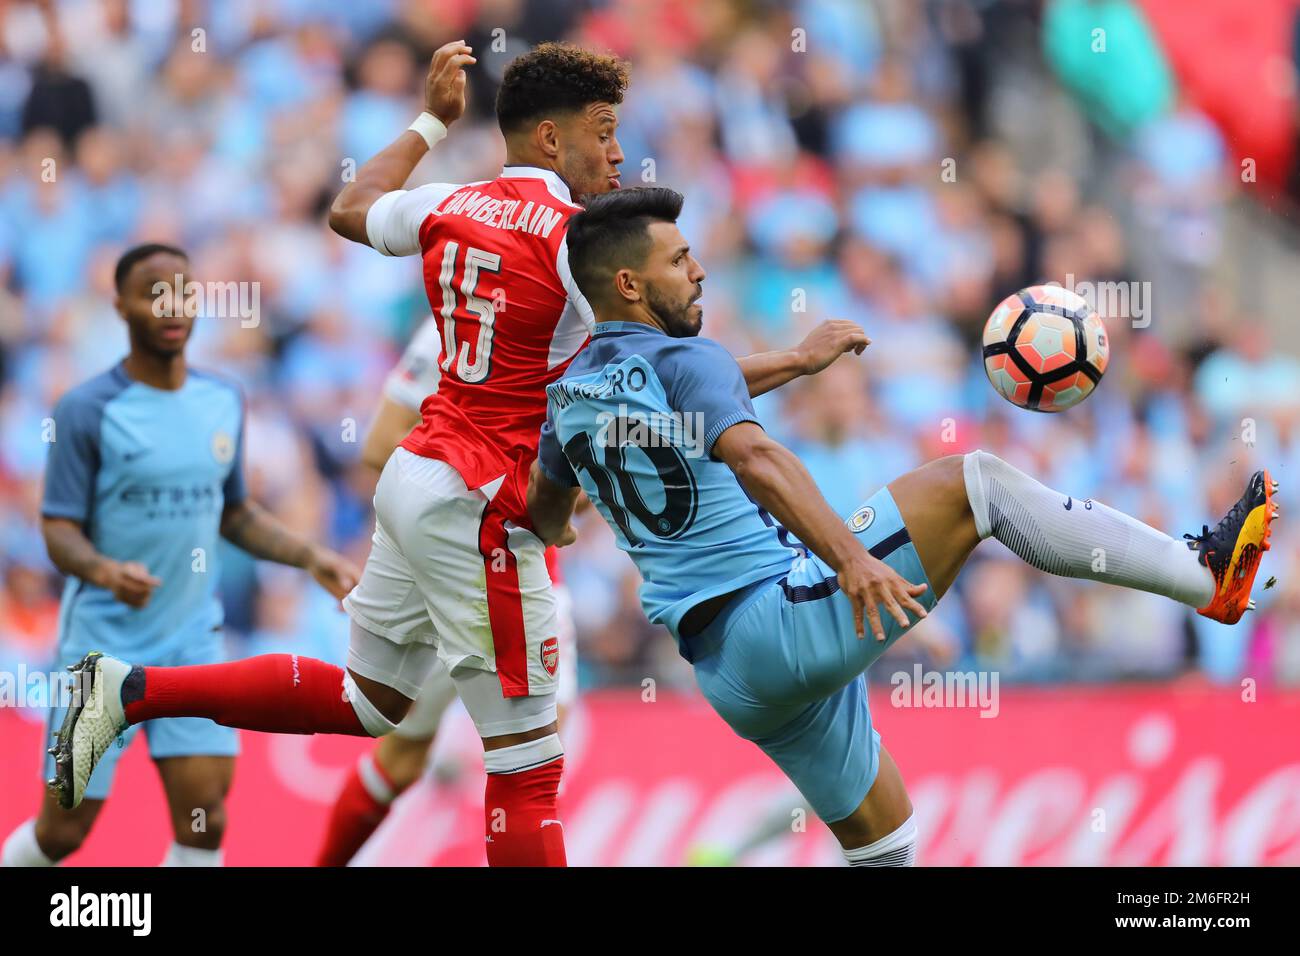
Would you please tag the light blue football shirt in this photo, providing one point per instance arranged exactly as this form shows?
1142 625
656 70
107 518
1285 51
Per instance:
633 421
147 473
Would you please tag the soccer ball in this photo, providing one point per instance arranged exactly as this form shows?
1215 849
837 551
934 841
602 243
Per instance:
1045 348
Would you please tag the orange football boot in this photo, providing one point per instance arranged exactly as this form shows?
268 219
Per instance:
1232 551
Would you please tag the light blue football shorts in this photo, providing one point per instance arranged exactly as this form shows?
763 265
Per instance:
783 665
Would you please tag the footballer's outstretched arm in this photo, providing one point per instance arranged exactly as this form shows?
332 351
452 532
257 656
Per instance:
765 371
780 483
387 170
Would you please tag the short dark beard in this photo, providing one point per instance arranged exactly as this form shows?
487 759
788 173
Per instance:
673 317
141 342
581 175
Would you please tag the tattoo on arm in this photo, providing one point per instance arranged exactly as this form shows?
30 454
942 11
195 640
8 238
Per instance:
250 526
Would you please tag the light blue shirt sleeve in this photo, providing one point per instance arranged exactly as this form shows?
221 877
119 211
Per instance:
550 458
700 377
73 460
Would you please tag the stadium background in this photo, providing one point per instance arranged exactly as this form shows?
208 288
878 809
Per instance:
904 164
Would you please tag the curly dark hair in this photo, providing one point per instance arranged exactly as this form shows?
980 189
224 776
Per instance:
557 78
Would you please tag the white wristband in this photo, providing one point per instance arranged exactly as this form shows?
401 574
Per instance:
429 127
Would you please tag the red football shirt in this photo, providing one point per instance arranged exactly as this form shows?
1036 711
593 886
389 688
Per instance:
496 271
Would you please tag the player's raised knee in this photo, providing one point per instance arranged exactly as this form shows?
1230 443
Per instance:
950 472
939 488
380 708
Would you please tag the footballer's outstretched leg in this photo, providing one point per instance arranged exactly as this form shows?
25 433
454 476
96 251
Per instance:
1081 538
273 693
936 511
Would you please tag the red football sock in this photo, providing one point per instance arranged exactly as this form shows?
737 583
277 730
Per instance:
357 813
523 828
275 693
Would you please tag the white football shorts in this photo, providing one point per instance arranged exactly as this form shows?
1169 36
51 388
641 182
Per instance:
447 573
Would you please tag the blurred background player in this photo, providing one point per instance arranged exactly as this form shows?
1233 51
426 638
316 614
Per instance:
380 776
773 614
145 473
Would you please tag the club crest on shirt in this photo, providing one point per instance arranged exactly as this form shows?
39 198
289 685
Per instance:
551 654
223 447
861 519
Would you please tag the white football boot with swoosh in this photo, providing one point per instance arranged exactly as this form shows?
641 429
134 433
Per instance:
94 720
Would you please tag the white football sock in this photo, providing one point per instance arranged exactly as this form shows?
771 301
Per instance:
373 779
178 855
896 849
1085 540
21 849
371 717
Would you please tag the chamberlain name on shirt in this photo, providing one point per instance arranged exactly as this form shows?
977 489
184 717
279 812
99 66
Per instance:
534 218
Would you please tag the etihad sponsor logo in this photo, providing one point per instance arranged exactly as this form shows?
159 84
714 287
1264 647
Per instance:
169 495
174 501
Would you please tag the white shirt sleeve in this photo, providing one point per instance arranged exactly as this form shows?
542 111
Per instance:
577 320
394 219
577 301
417 375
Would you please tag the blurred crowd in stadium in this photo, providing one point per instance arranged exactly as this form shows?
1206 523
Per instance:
888 162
